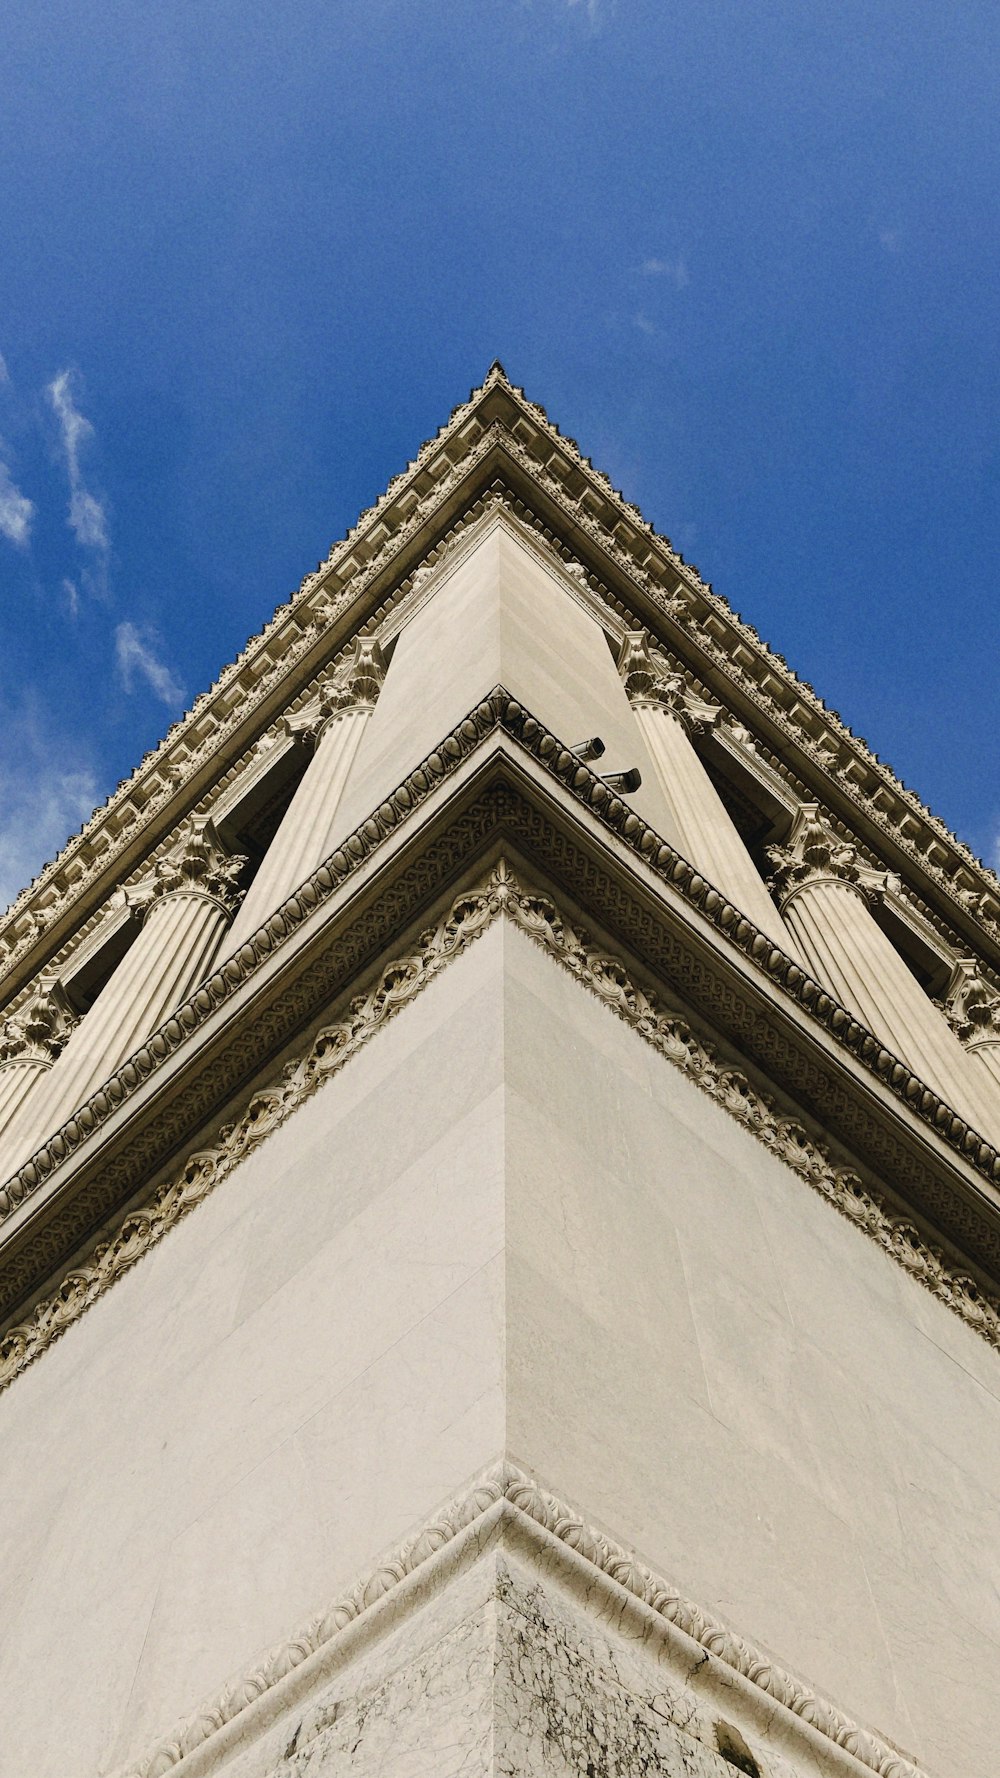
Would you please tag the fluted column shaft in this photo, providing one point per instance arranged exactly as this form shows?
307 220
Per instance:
705 831
18 1079
171 955
986 1055
849 954
187 897
301 841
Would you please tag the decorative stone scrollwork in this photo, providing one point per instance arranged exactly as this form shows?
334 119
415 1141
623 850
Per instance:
472 913
972 1005
505 1494
982 906
196 864
39 1031
813 852
354 685
649 680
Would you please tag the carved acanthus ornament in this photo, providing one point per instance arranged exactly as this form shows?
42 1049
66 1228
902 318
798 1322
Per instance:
354 685
196 864
972 1005
606 975
982 906
649 680
814 853
39 1031
530 440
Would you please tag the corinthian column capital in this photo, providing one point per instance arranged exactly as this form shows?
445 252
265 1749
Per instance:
814 853
196 864
649 681
353 685
39 1031
972 1005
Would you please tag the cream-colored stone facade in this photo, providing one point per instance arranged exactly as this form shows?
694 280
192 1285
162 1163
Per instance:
500 1240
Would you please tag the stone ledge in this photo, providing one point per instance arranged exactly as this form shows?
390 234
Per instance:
463 798
496 430
684 1694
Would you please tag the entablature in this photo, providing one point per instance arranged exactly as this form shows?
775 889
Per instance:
498 436
501 784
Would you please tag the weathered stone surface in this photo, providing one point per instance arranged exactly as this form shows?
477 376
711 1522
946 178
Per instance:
482 1235
505 1675
719 1476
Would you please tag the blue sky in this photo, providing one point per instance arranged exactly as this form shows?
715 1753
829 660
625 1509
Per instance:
251 255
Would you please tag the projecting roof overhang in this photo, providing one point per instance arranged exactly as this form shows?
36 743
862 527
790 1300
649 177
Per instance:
500 785
498 437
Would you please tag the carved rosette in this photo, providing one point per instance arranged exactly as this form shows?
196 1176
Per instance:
814 853
196 864
972 1005
649 681
39 1031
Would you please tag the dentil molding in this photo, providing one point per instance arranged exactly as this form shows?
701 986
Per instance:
606 975
496 422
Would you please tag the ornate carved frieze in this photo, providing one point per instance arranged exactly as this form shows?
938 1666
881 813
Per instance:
38 1033
499 710
607 976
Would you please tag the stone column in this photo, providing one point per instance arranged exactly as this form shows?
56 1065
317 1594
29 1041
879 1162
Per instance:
187 900
30 1041
337 719
704 830
972 1008
825 901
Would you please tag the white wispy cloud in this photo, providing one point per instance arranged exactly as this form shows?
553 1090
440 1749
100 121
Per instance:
87 517
16 510
44 795
596 10
675 270
135 653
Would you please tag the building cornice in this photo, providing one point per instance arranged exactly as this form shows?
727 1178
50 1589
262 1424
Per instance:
497 430
501 780
468 916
